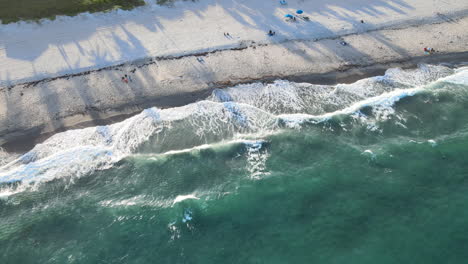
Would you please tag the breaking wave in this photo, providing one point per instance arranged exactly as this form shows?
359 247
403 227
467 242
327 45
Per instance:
238 113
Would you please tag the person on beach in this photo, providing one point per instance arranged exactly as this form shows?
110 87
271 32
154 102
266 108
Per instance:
125 80
271 33
128 78
428 51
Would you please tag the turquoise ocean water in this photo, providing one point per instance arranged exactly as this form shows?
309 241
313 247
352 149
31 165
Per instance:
370 172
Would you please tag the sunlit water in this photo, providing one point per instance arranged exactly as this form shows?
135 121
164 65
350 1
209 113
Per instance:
370 172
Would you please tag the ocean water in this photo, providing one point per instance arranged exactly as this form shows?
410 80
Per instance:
370 172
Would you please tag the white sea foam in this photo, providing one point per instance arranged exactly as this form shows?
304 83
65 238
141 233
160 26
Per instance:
5 157
460 76
181 198
77 152
283 97
383 104
432 142
227 116
256 158
370 154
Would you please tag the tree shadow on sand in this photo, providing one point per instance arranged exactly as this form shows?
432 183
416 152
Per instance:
261 16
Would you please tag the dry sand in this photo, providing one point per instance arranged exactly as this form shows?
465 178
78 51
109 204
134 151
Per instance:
179 76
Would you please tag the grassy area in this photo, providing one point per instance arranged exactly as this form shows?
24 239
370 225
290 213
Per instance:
16 10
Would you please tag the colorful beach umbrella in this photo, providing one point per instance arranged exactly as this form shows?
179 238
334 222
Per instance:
288 16
299 11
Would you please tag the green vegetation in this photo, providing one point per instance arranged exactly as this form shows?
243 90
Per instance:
16 10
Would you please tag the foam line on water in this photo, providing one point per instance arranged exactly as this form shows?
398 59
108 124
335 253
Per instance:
78 152
222 118
181 198
385 100
284 97
247 142
460 76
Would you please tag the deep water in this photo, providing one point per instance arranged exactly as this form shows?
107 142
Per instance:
372 172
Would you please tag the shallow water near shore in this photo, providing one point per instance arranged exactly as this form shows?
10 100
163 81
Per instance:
369 172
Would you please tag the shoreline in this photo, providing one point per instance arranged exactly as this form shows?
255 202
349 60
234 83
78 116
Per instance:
30 112
25 140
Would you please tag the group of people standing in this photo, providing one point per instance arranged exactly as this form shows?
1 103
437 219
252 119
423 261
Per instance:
429 51
126 79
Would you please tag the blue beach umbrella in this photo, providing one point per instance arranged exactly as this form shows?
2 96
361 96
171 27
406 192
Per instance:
288 16
299 11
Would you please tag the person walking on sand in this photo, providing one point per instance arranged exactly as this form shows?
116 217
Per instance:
125 80
128 78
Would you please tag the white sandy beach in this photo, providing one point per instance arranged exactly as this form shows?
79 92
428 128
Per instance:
155 43
30 51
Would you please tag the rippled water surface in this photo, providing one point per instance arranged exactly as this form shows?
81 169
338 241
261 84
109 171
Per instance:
370 172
